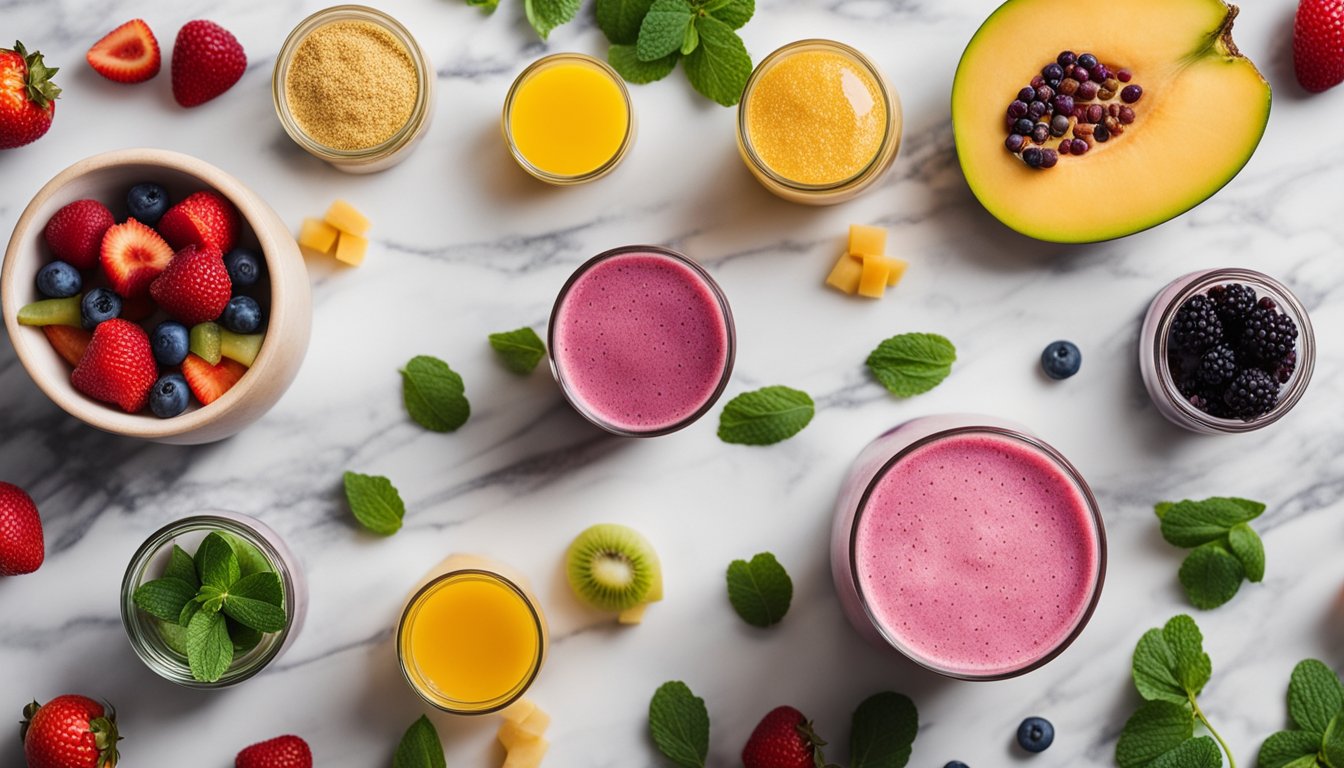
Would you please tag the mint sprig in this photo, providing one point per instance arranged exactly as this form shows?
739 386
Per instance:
546 15
765 416
434 394
760 590
520 351
679 724
909 364
1316 712
1226 550
419 747
884 730
375 502
648 38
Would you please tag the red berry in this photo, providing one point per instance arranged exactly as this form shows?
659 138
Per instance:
132 256
209 382
280 752
27 96
128 54
207 61
203 218
194 287
1318 44
118 367
70 732
21 549
783 739
75 233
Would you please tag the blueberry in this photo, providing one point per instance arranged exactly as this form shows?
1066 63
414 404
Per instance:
169 396
1052 72
170 341
956 764
241 315
147 203
1036 734
244 266
1061 360
1087 61
59 280
99 305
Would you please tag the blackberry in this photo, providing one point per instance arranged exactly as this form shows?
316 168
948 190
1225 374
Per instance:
1234 302
1252 394
1285 370
1268 337
1204 398
1196 326
1217 367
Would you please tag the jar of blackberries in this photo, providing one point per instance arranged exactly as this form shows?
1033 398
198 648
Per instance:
1226 351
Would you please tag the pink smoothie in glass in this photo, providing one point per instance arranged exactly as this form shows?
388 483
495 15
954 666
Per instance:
977 554
641 341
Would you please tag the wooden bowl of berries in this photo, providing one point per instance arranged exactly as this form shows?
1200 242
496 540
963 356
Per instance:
152 295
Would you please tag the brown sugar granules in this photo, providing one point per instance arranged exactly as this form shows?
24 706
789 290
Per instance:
351 85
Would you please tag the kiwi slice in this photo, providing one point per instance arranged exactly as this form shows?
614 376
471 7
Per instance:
612 567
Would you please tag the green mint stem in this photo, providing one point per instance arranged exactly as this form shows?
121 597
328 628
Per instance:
1199 715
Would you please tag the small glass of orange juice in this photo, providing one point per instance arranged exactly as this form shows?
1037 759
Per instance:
471 639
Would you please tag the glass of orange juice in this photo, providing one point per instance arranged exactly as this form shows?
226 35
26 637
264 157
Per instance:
472 637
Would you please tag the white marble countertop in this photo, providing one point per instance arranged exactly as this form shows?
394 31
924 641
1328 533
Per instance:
465 244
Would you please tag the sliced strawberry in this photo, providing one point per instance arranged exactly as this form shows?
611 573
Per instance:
75 233
204 218
128 54
133 255
194 287
118 367
209 382
68 342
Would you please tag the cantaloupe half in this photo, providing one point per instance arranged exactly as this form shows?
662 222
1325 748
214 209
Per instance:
1203 110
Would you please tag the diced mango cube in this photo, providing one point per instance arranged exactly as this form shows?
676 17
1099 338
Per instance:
519 710
897 271
512 736
536 723
846 274
317 235
527 755
867 241
351 249
873 280
344 217
633 615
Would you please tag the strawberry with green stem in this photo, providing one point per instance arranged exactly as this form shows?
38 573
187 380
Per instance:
27 96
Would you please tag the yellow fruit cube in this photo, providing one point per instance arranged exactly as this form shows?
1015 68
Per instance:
867 241
317 235
527 755
873 281
536 723
351 249
344 217
512 736
633 615
519 710
846 274
897 267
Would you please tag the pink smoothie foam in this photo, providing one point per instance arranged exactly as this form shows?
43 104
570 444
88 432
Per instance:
641 340
977 554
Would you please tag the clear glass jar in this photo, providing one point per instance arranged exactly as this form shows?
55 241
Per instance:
454 571
842 189
860 602
148 564
596 65
1155 365
368 159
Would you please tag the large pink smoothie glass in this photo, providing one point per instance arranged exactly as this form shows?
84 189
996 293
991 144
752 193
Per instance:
968 545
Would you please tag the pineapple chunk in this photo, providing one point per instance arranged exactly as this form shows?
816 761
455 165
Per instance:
512 736
519 710
897 267
351 249
536 723
873 282
240 347
633 615
317 235
527 755
845 275
344 217
867 241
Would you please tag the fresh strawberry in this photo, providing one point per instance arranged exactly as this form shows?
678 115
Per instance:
132 256
75 233
27 96
68 342
128 54
784 739
209 382
20 532
280 752
195 286
118 367
207 61
1318 44
70 732
203 218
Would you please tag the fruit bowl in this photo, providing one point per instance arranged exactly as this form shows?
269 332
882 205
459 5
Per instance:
106 177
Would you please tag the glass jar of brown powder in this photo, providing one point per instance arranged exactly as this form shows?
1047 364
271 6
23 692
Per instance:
354 88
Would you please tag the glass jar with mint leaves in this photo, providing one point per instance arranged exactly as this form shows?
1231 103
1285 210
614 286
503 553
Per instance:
210 600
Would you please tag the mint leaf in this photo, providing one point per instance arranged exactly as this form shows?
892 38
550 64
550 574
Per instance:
1332 747
216 564
546 15
679 724
1249 549
765 416
734 13
434 394
1195 753
250 559
1192 523
1193 667
1315 696
488 6
1286 748
912 363
188 612
209 650
625 61
211 598
620 20
690 41
181 566
256 602
1211 575
519 350
164 598
1153 730
1170 663
663 29
760 591
884 730
375 502
1162 508
719 67
243 638
420 747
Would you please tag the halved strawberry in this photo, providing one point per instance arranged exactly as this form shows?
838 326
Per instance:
128 54
209 382
133 255
194 287
68 342
205 218
118 367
